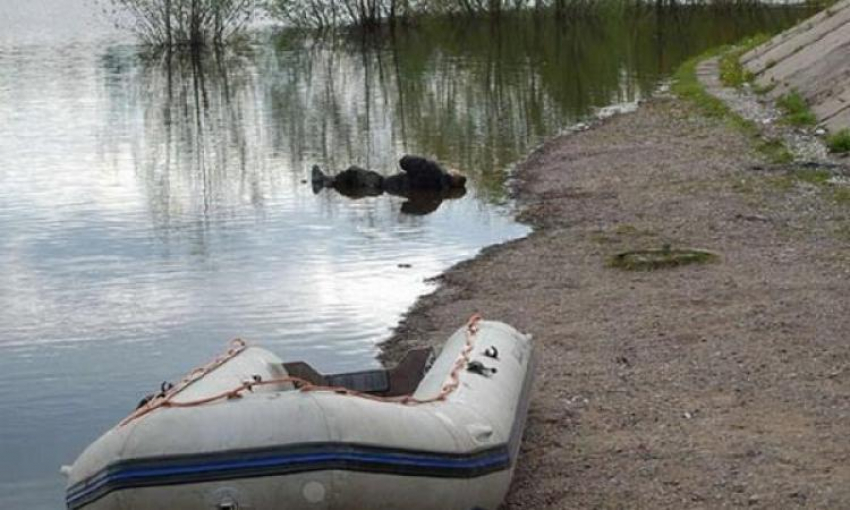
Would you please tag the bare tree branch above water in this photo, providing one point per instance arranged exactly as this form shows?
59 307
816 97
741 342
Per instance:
183 23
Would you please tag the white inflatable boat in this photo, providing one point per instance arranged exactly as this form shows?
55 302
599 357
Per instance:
248 431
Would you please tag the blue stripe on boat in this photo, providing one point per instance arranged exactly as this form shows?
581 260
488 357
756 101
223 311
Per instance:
246 464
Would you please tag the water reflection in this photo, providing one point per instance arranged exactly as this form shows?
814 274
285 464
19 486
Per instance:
189 117
477 94
417 203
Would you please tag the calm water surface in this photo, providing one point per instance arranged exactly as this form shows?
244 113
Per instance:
151 209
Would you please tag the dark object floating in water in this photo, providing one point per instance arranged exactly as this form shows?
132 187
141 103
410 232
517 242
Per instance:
423 182
649 260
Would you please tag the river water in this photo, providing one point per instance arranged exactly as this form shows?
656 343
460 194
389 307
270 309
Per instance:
153 208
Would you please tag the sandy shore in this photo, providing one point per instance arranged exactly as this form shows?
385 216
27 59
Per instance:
708 386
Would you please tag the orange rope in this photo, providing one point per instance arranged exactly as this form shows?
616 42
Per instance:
237 347
166 400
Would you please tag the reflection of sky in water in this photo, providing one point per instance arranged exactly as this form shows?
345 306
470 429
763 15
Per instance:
134 248
39 21
146 217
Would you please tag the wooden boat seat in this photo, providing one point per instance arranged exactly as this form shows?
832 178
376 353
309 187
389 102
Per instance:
403 379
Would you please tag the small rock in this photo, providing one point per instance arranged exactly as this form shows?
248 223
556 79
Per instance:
752 217
405 266
753 499
798 495
820 131
835 373
688 415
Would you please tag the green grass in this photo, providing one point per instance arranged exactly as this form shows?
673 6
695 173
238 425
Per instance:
774 151
795 110
763 89
687 86
732 73
839 142
816 177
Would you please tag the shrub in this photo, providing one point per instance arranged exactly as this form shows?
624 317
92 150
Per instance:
795 110
732 72
839 142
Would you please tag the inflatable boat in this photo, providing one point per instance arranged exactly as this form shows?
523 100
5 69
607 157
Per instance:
248 431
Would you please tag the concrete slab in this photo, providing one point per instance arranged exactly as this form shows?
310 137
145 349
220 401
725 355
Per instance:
814 74
798 37
840 121
812 58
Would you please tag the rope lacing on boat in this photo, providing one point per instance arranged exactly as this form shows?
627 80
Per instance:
166 399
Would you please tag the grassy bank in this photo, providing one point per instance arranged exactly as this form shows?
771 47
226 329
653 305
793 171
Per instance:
688 86
787 177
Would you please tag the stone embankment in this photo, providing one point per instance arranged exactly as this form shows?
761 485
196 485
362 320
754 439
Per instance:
812 58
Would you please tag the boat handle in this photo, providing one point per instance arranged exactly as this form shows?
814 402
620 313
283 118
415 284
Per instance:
476 367
492 352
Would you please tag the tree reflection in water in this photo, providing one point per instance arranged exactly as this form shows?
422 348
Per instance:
222 130
478 95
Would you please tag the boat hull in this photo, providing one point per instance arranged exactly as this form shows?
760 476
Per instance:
291 450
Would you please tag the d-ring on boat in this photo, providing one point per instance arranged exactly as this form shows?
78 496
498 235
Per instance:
248 431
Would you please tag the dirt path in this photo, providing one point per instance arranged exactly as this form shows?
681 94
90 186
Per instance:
713 386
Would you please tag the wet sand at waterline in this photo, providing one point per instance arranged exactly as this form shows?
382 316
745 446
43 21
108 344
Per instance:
705 386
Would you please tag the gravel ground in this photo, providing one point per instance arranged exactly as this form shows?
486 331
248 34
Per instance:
706 386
